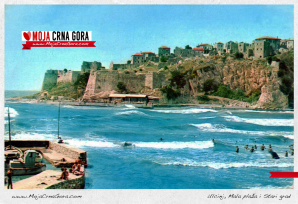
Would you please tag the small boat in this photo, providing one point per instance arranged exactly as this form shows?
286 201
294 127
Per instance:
22 163
38 156
26 166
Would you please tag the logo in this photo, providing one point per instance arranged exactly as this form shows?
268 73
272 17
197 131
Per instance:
27 35
57 39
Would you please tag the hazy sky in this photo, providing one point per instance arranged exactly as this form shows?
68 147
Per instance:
123 30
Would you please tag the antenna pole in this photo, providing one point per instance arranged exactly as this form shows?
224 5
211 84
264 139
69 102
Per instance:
58 119
9 129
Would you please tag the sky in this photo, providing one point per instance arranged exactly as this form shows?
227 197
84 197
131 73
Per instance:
123 30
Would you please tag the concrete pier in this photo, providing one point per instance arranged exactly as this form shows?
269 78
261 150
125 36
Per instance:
59 155
49 180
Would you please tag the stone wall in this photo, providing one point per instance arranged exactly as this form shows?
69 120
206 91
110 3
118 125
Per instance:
88 66
108 80
69 151
49 80
102 81
78 183
261 49
28 143
90 88
68 76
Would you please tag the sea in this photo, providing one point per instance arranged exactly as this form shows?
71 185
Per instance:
185 157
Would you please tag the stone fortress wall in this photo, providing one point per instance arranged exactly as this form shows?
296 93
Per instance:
49 80
67 76
102 81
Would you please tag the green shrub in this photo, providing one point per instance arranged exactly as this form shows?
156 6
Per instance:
269 60
224 91
203 98
170 92
210 86
178 79
121 87
163 59
238 55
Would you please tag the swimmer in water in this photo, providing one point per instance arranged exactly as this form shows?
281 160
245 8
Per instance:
286 154
252 149
263 147
237 149
246 147
255 146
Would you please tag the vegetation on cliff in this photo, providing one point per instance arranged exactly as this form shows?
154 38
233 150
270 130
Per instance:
231 77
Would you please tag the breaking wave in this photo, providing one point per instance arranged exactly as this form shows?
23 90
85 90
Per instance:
215 165
263 122
128 106
32 136
260 111
85 143
176 145
131 113
186 111
208 127
13 113
80 107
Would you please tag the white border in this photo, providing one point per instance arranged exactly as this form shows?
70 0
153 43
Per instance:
143 196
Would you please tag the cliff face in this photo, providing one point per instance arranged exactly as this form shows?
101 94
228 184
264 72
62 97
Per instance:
247 75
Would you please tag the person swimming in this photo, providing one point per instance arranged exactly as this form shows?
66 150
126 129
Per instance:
237 149
256 147
246 147
286 154
263 147
252 149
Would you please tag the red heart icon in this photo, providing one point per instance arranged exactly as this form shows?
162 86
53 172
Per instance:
27 35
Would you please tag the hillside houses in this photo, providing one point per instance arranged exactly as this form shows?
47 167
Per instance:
261 47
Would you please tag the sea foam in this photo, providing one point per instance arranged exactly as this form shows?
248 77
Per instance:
217 165
12 112
208 127
263 122
186 111
132 112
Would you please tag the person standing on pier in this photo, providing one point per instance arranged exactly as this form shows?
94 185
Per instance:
9 175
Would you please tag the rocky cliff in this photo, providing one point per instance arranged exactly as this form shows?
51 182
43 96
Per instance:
247 75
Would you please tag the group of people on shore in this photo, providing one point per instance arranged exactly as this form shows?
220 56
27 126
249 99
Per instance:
274 154
75 169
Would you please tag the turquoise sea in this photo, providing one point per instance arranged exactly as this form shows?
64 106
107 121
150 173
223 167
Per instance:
186 158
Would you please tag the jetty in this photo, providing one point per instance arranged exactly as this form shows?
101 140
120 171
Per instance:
59 155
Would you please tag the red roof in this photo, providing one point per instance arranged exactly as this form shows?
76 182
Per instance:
164 47
198 49
267 37
151 53
204 44
219 43
138 54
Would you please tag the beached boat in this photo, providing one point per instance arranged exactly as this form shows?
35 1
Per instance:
38 156
27 165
